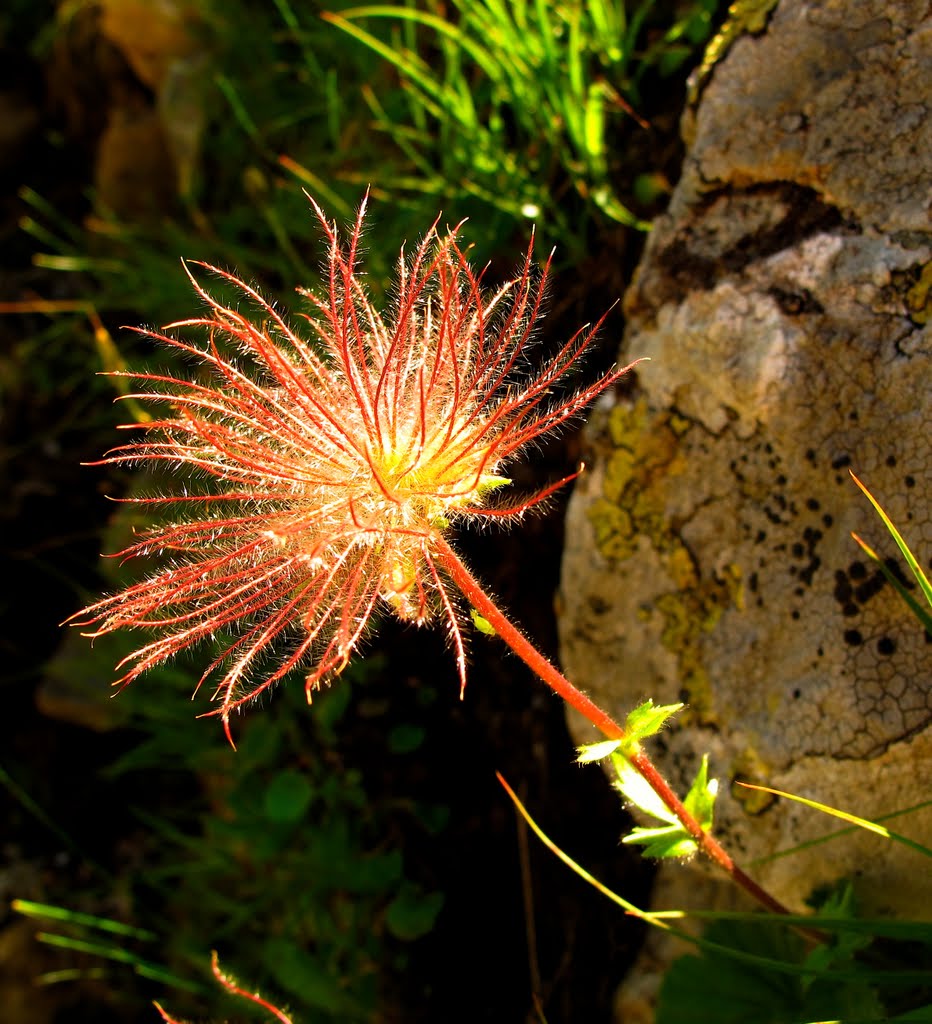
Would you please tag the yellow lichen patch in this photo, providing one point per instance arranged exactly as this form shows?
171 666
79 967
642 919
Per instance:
681 635
748 766
682 569
645 458
919 296
642 469
735 577
689 614
618 473
626 422
614 531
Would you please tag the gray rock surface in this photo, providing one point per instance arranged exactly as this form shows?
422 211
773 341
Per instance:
784 301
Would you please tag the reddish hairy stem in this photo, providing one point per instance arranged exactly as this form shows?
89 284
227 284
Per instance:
555 679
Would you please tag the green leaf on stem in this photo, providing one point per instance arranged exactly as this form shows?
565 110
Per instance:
646 720
669 839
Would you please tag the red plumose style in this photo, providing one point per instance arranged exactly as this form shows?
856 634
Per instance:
326 470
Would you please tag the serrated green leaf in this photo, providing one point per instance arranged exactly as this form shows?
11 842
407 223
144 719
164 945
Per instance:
647 720
700 990
672 841
590 752
840 904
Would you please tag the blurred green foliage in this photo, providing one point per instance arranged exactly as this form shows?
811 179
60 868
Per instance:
862 971
515 102
510 112
279 854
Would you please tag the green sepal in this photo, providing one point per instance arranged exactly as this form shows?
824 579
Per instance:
700 800
482 624
670 839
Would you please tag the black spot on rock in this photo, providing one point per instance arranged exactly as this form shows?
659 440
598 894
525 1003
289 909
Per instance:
810 570
893 567
796 303
598 606
866 590
842 591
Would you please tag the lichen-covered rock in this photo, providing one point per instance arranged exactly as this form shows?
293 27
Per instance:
784 301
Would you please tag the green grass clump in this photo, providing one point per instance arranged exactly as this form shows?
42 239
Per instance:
513 104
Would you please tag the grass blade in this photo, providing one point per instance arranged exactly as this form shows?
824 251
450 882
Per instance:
900 543
44 911
869 826
921 613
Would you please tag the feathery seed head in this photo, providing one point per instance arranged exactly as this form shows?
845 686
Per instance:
334 463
